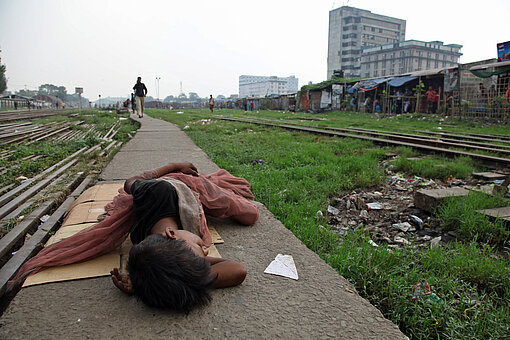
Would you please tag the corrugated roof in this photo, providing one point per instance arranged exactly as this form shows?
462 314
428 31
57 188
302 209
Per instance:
429 72
497 64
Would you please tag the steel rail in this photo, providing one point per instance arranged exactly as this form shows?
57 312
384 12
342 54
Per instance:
486 158
452 140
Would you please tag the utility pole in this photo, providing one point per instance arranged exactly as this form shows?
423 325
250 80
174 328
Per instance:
157 87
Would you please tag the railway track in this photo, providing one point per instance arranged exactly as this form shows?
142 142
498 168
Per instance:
22 115
480 148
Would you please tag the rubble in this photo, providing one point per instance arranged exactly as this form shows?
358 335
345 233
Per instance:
390 216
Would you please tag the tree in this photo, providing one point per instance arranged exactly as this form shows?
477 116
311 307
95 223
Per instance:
3 80
182 96
52 90
169 98
27 93
220 96
193 96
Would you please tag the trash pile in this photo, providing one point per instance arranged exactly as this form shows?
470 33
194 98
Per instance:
389 214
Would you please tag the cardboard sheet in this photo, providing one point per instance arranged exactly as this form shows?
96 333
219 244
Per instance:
216 238
213 251
66 231
84 213
100 266
99 192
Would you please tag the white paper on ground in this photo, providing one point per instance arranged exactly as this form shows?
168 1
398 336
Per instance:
283 265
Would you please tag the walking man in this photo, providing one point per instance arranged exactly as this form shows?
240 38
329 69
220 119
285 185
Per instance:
140 93
211 104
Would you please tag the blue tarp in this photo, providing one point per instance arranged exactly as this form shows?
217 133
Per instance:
396 82
353 89
371 84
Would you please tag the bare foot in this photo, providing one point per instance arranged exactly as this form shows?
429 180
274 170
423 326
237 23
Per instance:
122 281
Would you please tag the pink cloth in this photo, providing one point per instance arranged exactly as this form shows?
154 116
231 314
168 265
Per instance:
221 194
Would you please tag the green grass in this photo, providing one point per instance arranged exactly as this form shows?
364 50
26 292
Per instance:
437 167
301 172
54 151
459 213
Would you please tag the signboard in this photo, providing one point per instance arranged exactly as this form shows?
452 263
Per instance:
504 51
78 90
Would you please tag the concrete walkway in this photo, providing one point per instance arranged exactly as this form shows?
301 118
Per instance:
321 304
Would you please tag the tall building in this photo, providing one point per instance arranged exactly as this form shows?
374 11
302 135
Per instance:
261 86
407 56
351 29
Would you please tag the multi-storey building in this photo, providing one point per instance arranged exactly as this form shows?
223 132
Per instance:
261 86
407 56
351 29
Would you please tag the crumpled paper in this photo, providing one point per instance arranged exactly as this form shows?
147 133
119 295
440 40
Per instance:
282 265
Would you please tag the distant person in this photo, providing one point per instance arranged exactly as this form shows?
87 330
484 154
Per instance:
140 93
407 101
368 105
211 103
251 106
398 102
133 102
431 100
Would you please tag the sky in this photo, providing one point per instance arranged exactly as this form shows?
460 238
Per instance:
205 45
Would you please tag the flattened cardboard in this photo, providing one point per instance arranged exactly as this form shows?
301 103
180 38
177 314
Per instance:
66 231
100 266
216 238
213 251
84 213
99 192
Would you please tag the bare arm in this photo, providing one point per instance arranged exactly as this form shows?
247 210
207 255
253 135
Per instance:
185 168
228 273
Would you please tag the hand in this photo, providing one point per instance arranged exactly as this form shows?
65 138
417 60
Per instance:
122 281
188 168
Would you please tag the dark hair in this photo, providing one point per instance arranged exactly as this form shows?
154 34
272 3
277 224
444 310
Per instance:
165 273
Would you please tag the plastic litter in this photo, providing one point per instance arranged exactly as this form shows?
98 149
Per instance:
402 240
421 291
416 220
498 181
373 244
319 214
374 206
21 178
333 211
44 218
258 161
403 226
435 242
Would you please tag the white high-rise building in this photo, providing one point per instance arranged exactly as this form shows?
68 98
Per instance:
408 56
262 86
352 29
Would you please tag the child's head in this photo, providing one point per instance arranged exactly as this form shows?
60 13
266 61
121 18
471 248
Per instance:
166 273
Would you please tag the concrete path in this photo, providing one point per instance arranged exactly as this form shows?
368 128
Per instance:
321 304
